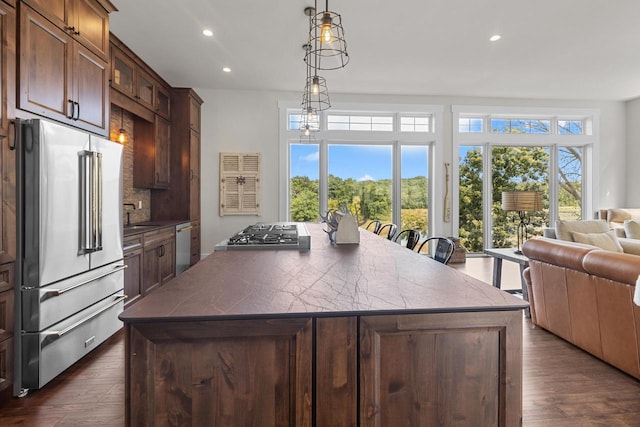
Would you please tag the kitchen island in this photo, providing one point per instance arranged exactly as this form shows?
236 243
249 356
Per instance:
346 335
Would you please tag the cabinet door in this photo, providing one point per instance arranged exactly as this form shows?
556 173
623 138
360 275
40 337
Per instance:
122 72
194 114
221 373
167 260
145 89
55 10
460 369
195 242
6 363
163 101
91 26
91 76
45 68
162 154
151 273
133 275
194 185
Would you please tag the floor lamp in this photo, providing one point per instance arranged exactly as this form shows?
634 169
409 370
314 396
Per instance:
522 202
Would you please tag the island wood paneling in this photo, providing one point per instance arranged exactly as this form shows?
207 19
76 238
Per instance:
336 371
224 373
440 369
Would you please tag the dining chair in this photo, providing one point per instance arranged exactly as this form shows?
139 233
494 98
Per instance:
374 226
444 248
411 237
388 231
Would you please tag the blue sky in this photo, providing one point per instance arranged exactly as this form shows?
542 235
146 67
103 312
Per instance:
360 162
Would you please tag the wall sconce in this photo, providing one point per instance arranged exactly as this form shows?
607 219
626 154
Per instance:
122 133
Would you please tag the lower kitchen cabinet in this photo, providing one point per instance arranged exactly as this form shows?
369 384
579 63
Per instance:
158 258
6 326
133 273
195 242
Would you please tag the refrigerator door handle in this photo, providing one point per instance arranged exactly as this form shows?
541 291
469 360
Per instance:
57 292
54 335
97 201
90 202
85 242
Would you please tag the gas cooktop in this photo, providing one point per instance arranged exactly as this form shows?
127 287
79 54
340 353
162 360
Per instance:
280 235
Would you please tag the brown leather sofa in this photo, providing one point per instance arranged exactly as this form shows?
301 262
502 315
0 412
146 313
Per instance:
585 295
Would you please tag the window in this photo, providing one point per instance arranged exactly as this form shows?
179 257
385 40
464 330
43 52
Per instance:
377 163
359 122
520 126
548 153
414 124
470 125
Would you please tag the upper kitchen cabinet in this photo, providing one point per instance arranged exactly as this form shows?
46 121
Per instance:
131 77
59 77
151 154
87 21
182 200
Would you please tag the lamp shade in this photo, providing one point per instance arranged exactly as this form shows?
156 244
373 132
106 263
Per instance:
522 201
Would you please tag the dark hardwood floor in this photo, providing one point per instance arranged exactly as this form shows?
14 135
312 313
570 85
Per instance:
562 387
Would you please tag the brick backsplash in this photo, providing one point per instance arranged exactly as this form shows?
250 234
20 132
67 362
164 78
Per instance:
122 118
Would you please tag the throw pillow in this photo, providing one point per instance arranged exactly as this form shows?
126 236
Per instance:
607 241
632 228
564 228
636 294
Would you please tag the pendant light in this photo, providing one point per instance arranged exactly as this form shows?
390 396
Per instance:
316 95
122 133
326 37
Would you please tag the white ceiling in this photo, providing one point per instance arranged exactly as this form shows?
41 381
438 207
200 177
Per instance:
556 49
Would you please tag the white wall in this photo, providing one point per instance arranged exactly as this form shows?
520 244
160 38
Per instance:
633 153
247 121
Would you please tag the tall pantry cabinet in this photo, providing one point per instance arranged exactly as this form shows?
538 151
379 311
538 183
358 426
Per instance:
181 201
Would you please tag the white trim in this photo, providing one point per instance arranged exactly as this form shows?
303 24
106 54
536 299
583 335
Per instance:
590 143
433 139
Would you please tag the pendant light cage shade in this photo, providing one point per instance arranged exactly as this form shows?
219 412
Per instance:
309 123
316 94
328 47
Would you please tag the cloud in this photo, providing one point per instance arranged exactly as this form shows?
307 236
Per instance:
312 157
366 177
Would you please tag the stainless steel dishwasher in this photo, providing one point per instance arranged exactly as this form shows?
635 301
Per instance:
183 247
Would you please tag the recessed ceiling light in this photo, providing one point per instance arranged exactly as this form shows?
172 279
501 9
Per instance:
226 69
207 32
495 37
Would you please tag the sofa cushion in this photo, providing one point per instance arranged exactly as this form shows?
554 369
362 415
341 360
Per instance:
621 215
607 241
632 228
564 228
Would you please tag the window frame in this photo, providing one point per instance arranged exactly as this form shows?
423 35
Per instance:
589 140
432 139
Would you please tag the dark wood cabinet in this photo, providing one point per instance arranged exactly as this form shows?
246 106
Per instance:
142 87
85 20
195 242
7 195
60 78
6 325
158 258
151 154
260 377
181 199
133 251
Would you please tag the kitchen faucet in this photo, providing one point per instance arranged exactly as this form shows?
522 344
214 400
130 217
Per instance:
129 213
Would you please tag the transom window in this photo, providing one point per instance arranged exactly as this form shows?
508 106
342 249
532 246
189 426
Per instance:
359 122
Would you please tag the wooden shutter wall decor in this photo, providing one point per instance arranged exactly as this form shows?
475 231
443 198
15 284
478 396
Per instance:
240 183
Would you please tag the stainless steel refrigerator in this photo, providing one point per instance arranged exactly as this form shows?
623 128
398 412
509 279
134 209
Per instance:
69 272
